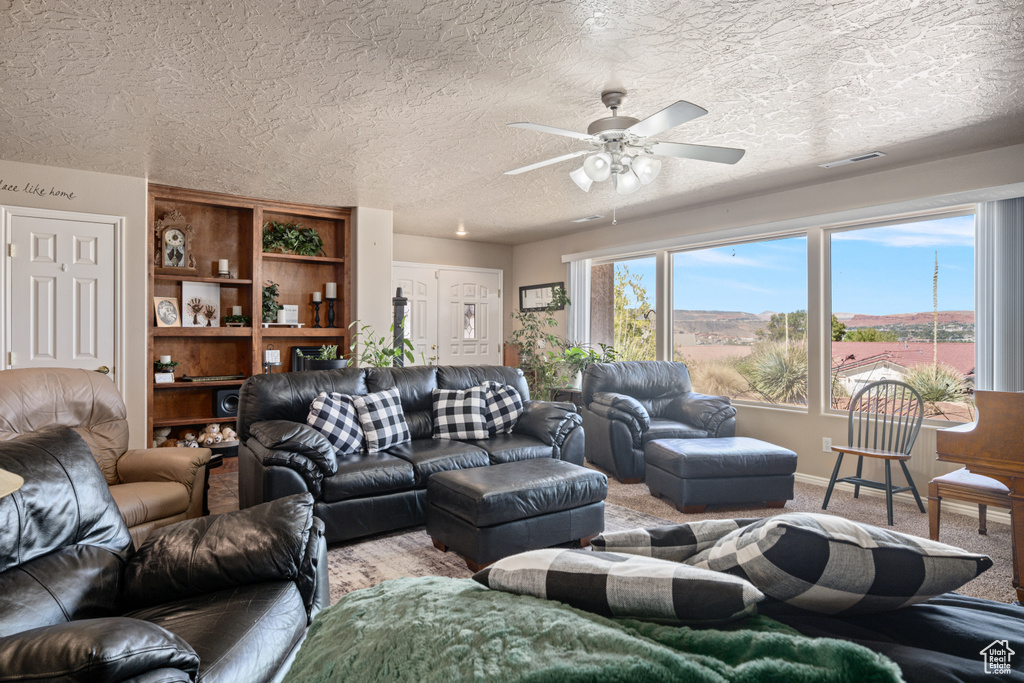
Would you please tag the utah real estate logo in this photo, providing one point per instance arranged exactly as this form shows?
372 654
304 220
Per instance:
997 657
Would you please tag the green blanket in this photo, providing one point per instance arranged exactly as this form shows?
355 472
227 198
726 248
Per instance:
439 629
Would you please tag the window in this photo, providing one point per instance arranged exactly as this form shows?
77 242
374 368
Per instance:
739 319
903 309
622 299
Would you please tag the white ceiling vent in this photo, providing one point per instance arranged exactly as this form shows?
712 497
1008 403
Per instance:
588 218
852 160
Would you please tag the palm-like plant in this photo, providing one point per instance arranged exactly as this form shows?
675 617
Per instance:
778 372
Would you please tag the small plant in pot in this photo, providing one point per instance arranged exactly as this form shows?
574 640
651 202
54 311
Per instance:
326 359
575 359
291 238
270 305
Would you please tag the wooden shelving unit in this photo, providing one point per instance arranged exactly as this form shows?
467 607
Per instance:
229 227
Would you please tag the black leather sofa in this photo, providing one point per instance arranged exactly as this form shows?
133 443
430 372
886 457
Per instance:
223 598
363 494
628 404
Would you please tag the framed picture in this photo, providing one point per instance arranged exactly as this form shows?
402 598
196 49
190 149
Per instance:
539 297
166 311
200 302
173 253
297 361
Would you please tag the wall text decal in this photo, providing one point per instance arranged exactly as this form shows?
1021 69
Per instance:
35 189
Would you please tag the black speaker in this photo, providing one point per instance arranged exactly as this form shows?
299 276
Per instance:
225 402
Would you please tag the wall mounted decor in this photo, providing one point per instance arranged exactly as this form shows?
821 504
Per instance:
539 297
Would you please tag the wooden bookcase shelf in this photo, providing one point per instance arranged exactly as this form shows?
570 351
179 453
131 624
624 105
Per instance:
229 227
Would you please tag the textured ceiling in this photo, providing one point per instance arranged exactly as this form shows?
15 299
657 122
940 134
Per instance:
402 105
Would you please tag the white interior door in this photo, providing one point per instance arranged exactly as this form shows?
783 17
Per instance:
419 285
469 317
61 293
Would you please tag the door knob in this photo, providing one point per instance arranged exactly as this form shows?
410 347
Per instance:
103 370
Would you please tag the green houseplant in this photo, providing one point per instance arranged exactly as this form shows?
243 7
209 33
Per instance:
326 359
270 305
535 339
575 359
378 351
291 238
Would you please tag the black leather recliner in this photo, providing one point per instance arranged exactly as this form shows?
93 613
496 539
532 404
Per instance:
367 493
628 404
222 598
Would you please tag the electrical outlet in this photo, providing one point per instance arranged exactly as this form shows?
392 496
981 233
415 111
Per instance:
826 444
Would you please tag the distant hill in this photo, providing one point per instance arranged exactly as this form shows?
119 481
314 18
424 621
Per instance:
945 317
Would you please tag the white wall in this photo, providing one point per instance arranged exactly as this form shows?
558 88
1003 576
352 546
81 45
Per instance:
372 240
102 193
798 430
460 252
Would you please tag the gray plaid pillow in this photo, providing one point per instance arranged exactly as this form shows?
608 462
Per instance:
624 586
334 416
459 413
382 419
674 542
504 406
832 565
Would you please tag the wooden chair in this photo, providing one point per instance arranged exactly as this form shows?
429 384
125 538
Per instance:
965 485
884 420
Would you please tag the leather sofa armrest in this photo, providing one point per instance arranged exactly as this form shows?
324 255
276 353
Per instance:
295 437
268 542
622 408
163 464
107 649
703 411
548 421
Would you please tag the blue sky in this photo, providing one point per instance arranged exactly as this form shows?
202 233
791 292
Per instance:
875 271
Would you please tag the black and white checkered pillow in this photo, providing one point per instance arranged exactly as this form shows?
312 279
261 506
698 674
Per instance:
617 585
504 406
674 542
460 413
334 416
382 419
831 565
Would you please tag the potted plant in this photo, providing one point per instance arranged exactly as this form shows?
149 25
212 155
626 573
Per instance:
236 320
576 357
270 305
532 335
326 359
379 351
291 238
163 372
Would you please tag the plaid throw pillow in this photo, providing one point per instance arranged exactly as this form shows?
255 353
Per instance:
459 414
831 565
382 419
675 542
504 406
334 416
624 585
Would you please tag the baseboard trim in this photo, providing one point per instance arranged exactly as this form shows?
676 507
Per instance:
1000 515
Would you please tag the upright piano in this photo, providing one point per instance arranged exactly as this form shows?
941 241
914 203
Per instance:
993 445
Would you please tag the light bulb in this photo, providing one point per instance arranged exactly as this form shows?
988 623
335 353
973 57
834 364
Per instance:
598 166
646 168
627 183
580 177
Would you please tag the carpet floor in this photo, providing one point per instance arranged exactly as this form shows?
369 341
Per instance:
367 562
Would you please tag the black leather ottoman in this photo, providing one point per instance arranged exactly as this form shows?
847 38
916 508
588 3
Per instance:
487 513
695 473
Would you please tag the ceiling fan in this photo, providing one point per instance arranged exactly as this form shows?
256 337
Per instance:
622 148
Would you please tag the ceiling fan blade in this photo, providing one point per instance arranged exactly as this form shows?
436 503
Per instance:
721 155
669 117
550 129
548 162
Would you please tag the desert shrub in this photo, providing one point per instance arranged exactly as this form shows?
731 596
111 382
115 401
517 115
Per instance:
717 377
937 383
777 373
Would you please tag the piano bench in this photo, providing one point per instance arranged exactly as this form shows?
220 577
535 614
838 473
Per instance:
967 486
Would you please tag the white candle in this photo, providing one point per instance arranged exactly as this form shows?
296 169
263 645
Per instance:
281 316
316 296
332 290
236 310
165 359
222 265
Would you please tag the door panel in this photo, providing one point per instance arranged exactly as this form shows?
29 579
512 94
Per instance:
419 286
61 300
470 318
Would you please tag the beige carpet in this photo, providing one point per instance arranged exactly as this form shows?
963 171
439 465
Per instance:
365 563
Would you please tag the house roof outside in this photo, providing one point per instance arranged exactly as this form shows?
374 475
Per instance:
903 354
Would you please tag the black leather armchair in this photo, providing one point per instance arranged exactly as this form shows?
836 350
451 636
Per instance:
366 493
222 598
628 404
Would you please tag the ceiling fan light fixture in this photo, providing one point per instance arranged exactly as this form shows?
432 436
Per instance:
582 180
598 166
646 168
626 182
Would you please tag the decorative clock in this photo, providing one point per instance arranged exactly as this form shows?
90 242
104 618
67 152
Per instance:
173 254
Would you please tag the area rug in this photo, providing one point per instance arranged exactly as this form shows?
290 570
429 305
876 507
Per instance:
367 562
